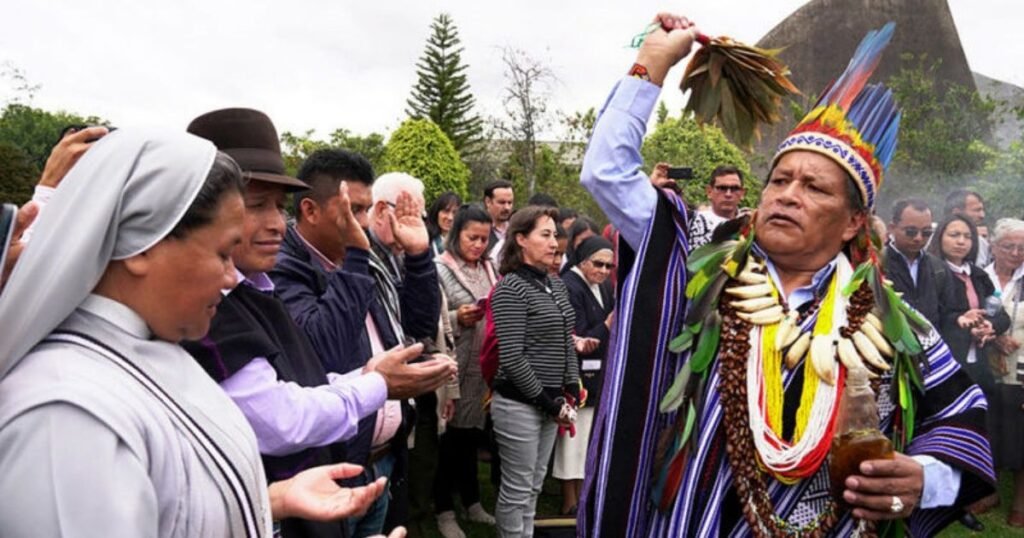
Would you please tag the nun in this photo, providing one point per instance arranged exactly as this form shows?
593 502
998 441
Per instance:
591 297
107 426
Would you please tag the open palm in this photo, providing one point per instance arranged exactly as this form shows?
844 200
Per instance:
313 494
407 225
352 234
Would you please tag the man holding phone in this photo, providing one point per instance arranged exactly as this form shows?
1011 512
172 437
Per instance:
724 190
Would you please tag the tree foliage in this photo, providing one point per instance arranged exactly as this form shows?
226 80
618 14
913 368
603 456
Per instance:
420 148
295 148
27 135
35 130
526 93
17 174
442 92
943 126
1000 185
556 166
683 142
943 132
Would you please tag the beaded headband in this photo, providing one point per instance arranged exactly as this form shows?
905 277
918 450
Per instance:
853 123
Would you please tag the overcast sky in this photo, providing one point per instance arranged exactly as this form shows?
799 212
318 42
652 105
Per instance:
325 64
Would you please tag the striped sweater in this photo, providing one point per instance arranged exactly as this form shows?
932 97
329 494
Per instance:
534 321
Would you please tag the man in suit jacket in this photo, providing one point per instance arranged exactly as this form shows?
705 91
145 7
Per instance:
914 272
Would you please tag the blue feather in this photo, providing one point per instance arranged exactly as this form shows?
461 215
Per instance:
863 63
870 108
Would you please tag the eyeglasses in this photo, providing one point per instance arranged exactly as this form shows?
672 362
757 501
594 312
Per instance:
1012 249
728 188
911 232
602 265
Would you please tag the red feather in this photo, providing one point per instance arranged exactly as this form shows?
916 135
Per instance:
673 479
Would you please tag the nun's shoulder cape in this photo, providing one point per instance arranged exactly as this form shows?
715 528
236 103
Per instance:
105 430
616 496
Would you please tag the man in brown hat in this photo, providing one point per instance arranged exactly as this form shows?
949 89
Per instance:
261 358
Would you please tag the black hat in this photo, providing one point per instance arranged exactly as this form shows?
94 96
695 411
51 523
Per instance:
250 138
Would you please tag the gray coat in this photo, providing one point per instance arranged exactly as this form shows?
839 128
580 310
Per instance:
460 288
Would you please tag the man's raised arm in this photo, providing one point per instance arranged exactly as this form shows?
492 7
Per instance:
612 165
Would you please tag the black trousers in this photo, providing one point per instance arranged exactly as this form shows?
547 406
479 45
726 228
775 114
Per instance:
457 469
422 463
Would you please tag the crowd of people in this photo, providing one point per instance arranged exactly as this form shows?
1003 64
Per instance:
347 334
968 286
185 354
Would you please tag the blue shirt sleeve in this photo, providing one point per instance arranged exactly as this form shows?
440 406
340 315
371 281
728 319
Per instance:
941 482
612 165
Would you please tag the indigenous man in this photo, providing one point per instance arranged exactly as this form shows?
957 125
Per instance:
738 469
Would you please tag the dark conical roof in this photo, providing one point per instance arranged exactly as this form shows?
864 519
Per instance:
820 37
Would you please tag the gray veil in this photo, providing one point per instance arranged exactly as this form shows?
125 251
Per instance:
124 195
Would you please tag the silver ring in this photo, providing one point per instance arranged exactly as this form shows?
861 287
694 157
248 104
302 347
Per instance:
897 505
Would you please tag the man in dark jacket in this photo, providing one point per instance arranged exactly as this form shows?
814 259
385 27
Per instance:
400 246
914 273
323 269
298 410
376 310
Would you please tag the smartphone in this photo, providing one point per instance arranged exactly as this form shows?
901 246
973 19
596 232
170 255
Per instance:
8 215
680 172
481 302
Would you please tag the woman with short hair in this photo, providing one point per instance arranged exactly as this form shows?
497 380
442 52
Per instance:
1006 407
537 367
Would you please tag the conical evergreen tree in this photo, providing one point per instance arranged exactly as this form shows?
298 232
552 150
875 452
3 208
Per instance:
442 93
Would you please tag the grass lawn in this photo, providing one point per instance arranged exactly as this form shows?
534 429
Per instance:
550 503
994 520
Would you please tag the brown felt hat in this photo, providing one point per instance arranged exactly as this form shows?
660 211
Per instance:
250 138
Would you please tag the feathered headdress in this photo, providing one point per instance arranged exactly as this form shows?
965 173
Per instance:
854 124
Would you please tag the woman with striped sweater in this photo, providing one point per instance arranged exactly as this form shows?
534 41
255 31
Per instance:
537 366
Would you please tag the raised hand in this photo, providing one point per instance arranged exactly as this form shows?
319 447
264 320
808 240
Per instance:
352 234
660 179
663 48
314 494
407 225
66 153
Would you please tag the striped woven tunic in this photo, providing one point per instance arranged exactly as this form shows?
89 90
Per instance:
616 498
